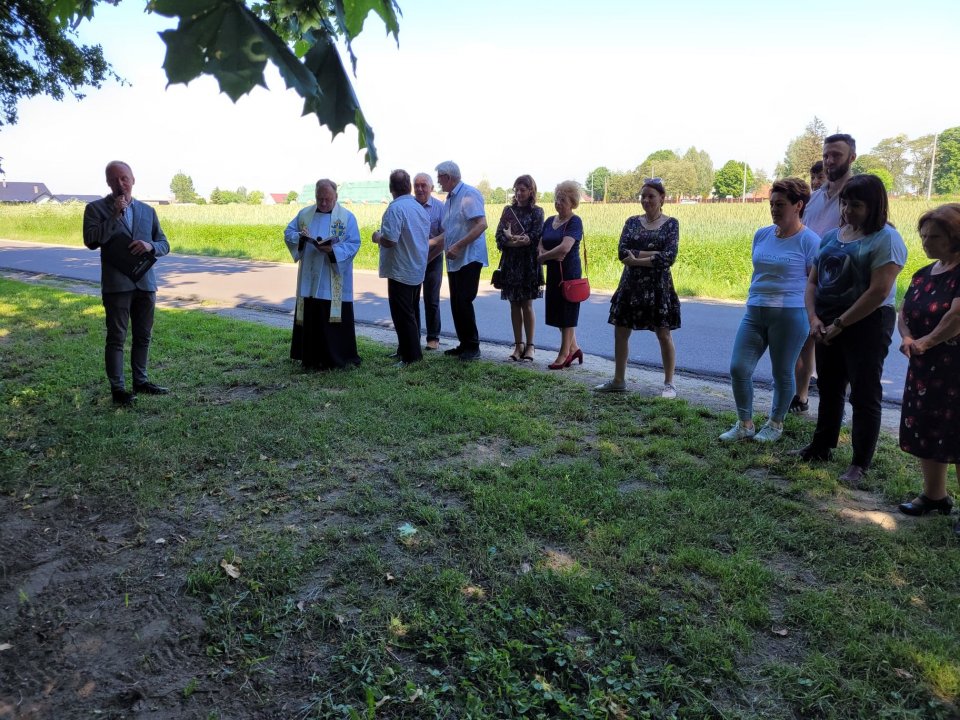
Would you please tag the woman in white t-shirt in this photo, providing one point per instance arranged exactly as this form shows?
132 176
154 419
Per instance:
783 254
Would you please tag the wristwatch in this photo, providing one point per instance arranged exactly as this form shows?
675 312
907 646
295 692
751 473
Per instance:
838 323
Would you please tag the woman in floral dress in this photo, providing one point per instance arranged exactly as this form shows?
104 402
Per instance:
929 324
646 299
518 235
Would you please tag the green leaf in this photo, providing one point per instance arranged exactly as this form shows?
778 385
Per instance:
336 105
353 13
189 9
294 73
227 40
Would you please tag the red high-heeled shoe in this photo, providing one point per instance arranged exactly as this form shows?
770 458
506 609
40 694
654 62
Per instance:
559 365
578 355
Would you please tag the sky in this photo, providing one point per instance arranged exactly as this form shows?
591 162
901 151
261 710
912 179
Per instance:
506 88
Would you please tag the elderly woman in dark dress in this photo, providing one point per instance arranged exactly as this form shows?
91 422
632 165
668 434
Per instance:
559 250
645 298
518 235
929 324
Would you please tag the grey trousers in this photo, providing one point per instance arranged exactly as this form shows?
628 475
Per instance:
120 308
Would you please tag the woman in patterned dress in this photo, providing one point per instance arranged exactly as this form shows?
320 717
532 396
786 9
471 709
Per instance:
518 235
645 298
929 324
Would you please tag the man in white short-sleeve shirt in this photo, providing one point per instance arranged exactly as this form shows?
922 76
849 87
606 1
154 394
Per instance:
465 245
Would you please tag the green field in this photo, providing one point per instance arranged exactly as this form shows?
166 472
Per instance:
714 259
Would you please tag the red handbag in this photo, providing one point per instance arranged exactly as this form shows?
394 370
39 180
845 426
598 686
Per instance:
578 289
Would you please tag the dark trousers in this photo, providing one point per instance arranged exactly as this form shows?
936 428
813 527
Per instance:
431 298
405 311
121 308
464 284
855 356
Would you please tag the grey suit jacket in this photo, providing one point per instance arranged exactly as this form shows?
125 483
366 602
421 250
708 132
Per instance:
99 225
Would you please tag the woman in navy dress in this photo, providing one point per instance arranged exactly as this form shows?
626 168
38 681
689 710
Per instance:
929 324
559 250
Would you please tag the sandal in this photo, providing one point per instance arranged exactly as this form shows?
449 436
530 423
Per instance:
517 354
528 352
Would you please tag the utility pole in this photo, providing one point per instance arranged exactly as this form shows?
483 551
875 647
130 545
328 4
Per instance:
933 161
743 198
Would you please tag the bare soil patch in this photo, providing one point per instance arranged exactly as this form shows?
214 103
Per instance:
98 621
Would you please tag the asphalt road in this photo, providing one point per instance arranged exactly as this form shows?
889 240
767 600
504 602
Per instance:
704 343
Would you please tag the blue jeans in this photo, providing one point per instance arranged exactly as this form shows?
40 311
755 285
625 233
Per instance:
784 331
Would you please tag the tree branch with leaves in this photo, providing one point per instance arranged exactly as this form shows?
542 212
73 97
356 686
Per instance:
229 40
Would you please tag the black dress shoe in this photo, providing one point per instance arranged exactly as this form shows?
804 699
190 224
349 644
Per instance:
148 388
453 351
921 505
468 355
809 452
122 397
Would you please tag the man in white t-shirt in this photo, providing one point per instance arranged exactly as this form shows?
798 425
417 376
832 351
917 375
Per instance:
822 215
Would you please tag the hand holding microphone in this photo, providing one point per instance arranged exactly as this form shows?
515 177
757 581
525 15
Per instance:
120 203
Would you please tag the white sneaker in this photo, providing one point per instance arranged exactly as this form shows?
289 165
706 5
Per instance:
768 434
738 432
669 391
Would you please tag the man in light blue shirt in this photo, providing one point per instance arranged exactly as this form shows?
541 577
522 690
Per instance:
465 245
423 192
404 242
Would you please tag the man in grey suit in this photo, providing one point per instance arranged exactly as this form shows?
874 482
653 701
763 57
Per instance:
118 218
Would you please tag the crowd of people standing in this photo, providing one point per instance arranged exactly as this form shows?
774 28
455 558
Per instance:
822 296
821 299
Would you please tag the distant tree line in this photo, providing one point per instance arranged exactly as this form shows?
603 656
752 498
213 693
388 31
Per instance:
183 192
901 163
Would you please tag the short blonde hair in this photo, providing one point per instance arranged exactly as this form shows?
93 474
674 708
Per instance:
570 189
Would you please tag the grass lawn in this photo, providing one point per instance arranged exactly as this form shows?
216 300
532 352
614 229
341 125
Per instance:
451 540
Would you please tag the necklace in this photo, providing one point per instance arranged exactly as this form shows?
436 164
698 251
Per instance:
848 234
648 221
790 233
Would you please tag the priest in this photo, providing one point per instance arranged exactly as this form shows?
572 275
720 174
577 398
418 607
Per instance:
324 238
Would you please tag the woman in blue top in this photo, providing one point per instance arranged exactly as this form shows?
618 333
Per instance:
850 301
783 254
